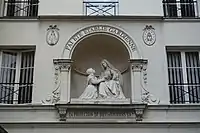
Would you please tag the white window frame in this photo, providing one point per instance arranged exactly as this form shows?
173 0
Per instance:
18 68
184 69
178 5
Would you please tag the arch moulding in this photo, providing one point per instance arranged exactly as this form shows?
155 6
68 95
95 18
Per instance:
110 30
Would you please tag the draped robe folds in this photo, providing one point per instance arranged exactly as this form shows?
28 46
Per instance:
91 89
111 88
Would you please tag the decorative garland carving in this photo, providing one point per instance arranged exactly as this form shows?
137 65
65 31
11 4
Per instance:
55 96
147 97
60 65
141 66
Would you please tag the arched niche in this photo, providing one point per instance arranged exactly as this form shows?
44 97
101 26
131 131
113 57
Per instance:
110 30
89 52
86 48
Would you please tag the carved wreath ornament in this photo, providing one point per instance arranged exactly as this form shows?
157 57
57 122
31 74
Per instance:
149 35
52 36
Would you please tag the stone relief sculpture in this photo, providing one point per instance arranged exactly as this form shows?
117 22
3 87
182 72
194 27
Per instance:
92 82
147 97
112 87
54 97
52 36
108 86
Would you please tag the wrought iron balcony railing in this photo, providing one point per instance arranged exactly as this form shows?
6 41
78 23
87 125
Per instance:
184 93
101 8
16 93
180 8
21 8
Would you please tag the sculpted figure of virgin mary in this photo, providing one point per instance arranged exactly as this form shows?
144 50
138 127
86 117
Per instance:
111 88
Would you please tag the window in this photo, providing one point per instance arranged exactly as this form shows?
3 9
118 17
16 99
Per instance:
100 8
16 76
28 8
184 77
180 8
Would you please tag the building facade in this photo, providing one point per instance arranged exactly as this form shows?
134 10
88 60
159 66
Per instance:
152 50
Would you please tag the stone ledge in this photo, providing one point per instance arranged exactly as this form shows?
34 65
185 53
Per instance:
102 125
52 106
174 107
100 101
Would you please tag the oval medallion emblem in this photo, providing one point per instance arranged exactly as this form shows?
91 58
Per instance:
52 36
149 35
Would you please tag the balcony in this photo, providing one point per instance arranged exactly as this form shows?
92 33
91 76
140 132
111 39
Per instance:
20 8
101 8
16 93
180 8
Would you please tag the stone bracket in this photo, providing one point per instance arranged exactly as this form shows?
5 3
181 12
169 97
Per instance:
104 113
62 114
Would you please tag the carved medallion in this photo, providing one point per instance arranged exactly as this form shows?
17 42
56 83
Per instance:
52 36
149 35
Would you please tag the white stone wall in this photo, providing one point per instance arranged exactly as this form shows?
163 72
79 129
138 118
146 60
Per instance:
75 7
33 33
141 7
126 7
60 7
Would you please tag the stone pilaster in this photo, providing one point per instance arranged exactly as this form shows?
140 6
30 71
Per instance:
64 66
137 79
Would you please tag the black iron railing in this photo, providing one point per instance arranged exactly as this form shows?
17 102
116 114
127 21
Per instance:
21 8
16 93
184 93
100 8
180 8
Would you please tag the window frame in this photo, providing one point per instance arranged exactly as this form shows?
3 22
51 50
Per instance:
184 70
178 4
18 68
26 11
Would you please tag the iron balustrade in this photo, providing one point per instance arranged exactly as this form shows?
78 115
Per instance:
21 8
184 93
16 93
101 8
180 8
